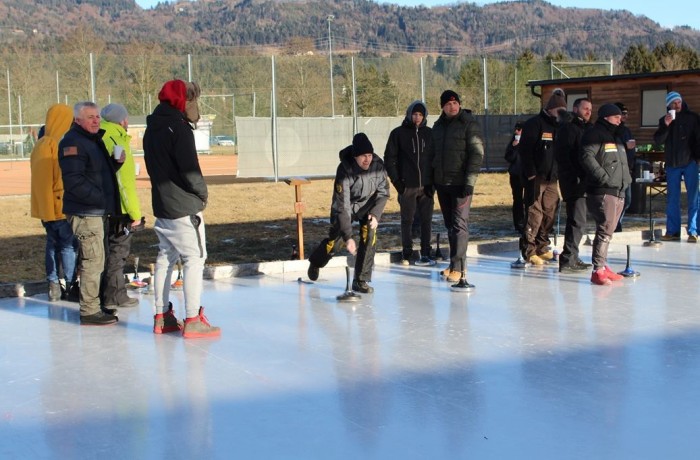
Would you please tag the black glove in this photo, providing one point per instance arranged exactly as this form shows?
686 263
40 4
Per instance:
466 191
429 190
400 187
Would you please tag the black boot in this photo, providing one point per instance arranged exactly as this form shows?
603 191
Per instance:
362 286
98 319
72 294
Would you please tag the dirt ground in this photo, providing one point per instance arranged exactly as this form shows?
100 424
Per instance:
250 222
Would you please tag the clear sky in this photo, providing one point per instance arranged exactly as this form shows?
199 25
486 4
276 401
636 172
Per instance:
674 13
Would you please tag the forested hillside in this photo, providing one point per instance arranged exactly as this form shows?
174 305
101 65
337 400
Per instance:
250 26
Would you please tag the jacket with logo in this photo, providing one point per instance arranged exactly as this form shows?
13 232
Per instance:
604 159
357 192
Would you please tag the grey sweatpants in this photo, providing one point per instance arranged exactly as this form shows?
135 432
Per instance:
180 238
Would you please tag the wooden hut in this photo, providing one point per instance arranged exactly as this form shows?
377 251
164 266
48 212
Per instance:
644 94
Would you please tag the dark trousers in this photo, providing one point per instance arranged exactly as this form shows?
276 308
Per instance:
576 211
412 200
540 217
455 211
519 209
364 259
606 210
118 247
628 203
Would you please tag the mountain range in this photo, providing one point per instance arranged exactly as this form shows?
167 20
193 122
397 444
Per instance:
504 29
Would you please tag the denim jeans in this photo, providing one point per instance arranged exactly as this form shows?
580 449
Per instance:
60 250
689 174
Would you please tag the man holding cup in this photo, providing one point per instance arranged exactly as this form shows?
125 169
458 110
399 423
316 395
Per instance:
679 132
120 225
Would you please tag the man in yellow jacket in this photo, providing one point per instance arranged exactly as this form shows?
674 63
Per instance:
47 200
115 122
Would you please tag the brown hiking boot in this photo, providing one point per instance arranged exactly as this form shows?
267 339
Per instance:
199 327
166 322
54 291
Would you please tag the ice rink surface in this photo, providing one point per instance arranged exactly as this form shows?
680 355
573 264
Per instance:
531 365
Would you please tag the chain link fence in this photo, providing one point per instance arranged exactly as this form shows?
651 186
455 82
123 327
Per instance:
258 86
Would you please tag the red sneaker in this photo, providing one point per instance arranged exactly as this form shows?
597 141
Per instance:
612 276
166 322
199 327
600 277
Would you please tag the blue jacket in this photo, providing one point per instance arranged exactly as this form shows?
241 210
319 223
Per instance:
89 174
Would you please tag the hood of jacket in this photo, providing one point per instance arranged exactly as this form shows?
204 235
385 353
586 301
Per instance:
613 129
464 116
408 120
58 120
164 115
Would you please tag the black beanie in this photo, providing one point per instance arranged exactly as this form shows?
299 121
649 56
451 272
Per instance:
361 145
608 110
448 96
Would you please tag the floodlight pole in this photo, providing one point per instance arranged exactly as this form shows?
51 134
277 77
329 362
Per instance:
330 62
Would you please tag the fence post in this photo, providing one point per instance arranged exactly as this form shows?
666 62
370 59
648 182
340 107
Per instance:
299 207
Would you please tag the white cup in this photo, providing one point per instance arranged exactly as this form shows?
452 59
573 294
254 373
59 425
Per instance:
672 112
647 174
517 137
119 153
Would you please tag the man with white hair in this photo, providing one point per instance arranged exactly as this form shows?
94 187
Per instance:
90 194
679 132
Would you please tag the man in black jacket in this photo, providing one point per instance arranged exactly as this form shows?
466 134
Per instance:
360 193
604 160
459 151
631 150
408 159
540 169
572 182
679 132
515 176
90 195
179 195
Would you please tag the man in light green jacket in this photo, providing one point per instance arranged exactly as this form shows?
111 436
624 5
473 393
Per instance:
115 122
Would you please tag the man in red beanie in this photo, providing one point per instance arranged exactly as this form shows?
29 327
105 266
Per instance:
179 196
360 193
